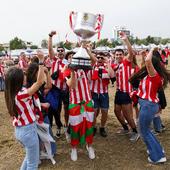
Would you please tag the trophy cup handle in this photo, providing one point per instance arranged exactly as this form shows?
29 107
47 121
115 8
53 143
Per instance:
72 14
99 22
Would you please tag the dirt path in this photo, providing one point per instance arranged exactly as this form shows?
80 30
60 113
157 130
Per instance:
112 153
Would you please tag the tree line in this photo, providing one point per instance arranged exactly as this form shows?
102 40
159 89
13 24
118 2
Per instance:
18 43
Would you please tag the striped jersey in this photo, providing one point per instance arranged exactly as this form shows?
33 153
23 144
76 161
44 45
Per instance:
25 108
57 66
82 90
1 70
149 86
99 84
22 64
48 62
123 73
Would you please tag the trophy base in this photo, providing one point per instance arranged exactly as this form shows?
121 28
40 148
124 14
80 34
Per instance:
81 63
84 33
75 67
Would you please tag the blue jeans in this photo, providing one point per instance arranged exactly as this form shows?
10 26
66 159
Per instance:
2 84
157 124
27 135
146 115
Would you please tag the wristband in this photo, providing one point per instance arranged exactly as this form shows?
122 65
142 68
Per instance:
40 63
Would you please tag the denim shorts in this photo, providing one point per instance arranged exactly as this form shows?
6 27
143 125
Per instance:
100 100
122 98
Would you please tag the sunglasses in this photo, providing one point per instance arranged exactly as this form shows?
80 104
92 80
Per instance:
60 51
100 58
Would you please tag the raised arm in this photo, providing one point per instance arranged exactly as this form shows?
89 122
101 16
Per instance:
40 76
71 82
50 44
48 84
110 70
143 55
148 62
88 48
125 40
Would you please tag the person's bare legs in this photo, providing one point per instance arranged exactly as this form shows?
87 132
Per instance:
128 114
119 114
121 119
96 113
104 116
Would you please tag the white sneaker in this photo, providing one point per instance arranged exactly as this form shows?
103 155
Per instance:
39 162
91 152
149 153
74 154
134 137
162 160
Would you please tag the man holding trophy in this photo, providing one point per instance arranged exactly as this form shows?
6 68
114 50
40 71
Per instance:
81 111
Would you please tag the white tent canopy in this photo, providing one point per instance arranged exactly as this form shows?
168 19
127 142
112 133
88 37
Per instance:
103 48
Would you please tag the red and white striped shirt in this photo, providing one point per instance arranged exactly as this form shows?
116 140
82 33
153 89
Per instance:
22 64
82 90
167 51
1 70
123 73
25 109
57 65
149 86
97 84
48 62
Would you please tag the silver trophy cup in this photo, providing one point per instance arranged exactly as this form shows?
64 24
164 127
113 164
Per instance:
84 25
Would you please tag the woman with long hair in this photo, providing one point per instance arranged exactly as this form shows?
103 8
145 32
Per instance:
152 77
20 106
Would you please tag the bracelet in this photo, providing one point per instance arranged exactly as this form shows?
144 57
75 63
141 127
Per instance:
50 35
40 63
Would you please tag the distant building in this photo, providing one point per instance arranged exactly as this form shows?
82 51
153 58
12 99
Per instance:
157 39
118 29
5 46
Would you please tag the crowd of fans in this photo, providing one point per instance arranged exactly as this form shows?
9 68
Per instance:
37 88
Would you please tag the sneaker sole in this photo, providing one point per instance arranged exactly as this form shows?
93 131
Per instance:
158 162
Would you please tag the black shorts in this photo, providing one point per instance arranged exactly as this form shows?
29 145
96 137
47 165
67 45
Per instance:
64 96
122 98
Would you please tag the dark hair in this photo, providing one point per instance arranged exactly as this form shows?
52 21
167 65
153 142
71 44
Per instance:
69 53
119 50
34 59
31 74
161 70
138 76
13 84
60 47
163 52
